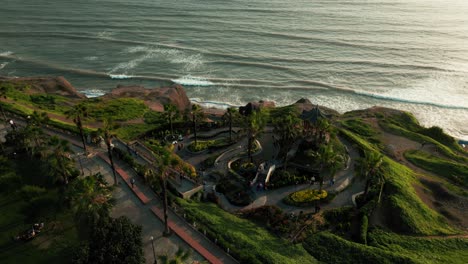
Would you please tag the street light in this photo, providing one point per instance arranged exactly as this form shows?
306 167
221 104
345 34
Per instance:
154 253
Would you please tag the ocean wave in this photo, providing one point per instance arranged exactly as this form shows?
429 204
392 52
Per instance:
3 65
193 81
6 53
410 101
91 93
194 61
120 76
91 58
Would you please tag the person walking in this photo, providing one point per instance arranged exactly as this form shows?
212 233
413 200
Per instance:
132 181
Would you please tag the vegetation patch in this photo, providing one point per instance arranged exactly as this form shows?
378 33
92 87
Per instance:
454 171
422 250
406 212
119 109
330 248
305 197
247 241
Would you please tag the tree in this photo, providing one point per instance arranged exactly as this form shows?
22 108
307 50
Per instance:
59 162
165 162
113 241
171 112
197 115
256 122
288 128
323 128
78 113
367 168
329 161
231 114
107 133
90 199
180 257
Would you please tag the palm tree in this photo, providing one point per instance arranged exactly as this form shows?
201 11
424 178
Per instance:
163 171
171 113
107 133
323 127
180 257
59 161
197 115
77 114
329 161
288 127
256 122
231 114
367 168
90 199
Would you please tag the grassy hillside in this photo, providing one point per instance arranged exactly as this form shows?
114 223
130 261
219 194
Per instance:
245 238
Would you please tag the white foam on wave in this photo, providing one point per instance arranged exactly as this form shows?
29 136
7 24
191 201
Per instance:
189 61
91 58
193 81
120 76
6 53
442 90
91 93
3 65
105 34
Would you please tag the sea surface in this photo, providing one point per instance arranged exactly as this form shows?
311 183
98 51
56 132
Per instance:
344 54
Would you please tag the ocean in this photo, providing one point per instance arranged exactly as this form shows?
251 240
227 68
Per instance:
344 54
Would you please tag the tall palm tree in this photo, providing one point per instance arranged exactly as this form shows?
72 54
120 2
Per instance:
90 199
163 171
288 128
368 167
78 113
171 113
323 127
35 123
329 161
256 122
107 133
59 161
231 114
197 115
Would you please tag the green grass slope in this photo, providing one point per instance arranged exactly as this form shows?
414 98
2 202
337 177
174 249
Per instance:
246 237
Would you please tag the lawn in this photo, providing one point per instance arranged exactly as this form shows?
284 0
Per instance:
454 171
388 248
245 237
406 212
53 245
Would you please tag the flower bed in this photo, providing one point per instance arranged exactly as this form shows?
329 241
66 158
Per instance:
305 197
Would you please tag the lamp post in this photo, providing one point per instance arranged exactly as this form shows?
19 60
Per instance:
154 253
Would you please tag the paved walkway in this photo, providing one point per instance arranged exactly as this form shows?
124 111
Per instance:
345 184
141 205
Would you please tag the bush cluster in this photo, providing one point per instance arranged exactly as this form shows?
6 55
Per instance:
305 197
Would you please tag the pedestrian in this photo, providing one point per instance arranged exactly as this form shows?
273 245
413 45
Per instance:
132 181
313 180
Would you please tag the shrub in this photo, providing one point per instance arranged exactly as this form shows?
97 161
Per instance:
200 145
41 206
305 197
31 191
363 229
9 182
